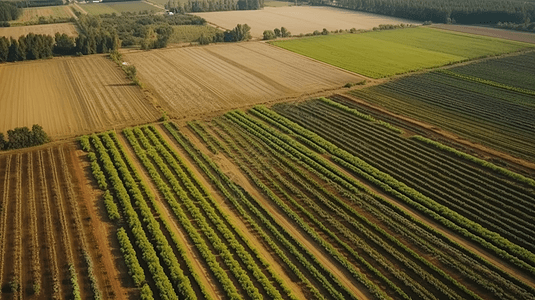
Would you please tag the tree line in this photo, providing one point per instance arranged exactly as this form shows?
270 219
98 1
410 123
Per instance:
443 11
23 137
9 11
213 5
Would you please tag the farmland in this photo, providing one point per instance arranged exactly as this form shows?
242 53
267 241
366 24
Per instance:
299 19
32 15
118 7
514 71
486 114
47 29
192 81
47 243
386 53
310 204
70 96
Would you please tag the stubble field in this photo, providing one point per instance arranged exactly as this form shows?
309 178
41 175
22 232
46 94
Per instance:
193 81
299 19
49 29
33 14
70 96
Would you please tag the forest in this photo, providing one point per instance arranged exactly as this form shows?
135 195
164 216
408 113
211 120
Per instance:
9 11
443 11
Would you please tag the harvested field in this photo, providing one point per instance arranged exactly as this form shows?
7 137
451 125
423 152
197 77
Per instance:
70 96
47 241
525 37
55 12
192 81
299 19
50 29
390 52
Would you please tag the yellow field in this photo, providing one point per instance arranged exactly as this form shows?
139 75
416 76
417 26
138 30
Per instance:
192 81
70 96
50 29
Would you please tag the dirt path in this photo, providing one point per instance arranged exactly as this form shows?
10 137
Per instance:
234 172
230 212
153 4
80 8
448 233
101 230
204 274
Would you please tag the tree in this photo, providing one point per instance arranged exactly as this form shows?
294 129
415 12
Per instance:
204 40
4 49
269 35
285 32
239 33
14 51
277 32
325 31
3 142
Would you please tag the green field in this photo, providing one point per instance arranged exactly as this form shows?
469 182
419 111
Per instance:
191 33
118 7
385 53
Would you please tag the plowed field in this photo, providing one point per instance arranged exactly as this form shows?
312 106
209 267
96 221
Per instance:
70 96
191 81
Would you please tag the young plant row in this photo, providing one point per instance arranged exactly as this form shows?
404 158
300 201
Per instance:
180 247
129 254
339 208
437 284
16 279
3 216
266 220
245 158
340 178
413 198
148 253
194 235
218 218
437 185
36 265
50 238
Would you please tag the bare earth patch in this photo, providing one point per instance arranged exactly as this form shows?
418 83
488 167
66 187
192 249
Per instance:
299 19
193 81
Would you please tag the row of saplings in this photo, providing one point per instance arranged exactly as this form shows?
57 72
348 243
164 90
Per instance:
23 137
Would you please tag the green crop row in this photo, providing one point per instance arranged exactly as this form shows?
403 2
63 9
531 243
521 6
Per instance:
288 165
264 216
134 268
213 211
148 253
487 82
199 242
408 195
200 219
150 196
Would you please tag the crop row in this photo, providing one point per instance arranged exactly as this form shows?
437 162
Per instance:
220 220
50 238
271 143
422 203
131 217
492 271
488 82
199 217
489 208
36 265
344 212
300 159
266 220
